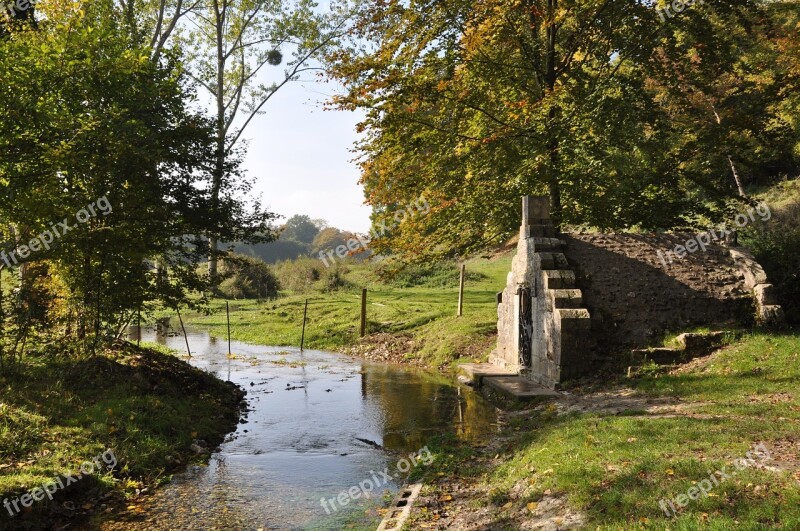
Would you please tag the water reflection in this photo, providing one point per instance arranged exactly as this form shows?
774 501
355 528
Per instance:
316 426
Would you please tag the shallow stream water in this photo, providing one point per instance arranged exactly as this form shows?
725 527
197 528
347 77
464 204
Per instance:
319 424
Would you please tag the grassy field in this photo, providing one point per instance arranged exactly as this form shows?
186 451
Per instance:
663 432
426 313
143 405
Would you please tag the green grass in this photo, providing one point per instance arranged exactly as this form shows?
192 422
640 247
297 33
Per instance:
145 406
426 313
616 468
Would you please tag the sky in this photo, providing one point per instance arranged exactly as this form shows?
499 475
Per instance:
300 155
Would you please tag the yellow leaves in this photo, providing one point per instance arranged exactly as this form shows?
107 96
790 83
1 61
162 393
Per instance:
670 472
532 506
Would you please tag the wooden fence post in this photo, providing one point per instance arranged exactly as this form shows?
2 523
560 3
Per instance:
184 331
303 336
461 292
363 312
228 314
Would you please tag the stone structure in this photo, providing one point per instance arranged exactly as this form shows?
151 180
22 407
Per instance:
550 331
543 330
768 312
635 298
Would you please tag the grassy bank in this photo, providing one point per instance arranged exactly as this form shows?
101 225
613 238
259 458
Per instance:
604 458
144 405
425 314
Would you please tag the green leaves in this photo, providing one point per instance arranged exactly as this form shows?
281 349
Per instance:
598 104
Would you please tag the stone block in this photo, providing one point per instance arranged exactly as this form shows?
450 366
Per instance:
548 244
770 315
753 273
540 231
535 207
559 278
765 295
566 298
700 344
553 261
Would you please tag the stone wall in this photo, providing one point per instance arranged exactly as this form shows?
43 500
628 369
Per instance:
635 296
592 295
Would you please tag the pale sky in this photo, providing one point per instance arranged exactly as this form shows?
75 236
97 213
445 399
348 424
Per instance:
300 155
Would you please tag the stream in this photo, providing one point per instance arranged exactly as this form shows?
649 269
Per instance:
319 423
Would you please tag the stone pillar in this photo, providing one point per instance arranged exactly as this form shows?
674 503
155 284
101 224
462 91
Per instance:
560 324
536 217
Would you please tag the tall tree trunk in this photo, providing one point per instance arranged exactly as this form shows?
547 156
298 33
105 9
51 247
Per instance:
219 167
554 185
735 173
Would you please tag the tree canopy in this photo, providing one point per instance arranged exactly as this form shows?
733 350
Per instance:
625 118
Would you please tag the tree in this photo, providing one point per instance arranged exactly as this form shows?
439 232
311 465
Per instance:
117 154
229 45
329 238
300 228
473 104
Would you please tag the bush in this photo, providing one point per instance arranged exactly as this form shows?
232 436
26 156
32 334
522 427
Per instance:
246 277
308 274
776 245
436 275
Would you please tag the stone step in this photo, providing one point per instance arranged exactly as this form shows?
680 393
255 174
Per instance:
541 231
580 316
519 388
553 260
559 278
548 244
659 355
476 372
567 298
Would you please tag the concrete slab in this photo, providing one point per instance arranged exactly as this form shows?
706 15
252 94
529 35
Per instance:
519 388
400 510
475 372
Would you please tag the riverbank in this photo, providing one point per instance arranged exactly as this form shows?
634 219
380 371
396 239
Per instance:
147 407
412 324
664 449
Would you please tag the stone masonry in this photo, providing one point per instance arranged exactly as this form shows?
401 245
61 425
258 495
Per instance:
571 298
552 344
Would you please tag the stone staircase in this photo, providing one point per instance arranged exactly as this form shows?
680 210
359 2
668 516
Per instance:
560 335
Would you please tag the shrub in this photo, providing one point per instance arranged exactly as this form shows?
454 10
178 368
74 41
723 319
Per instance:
307 274
776 245
246 277
435 275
